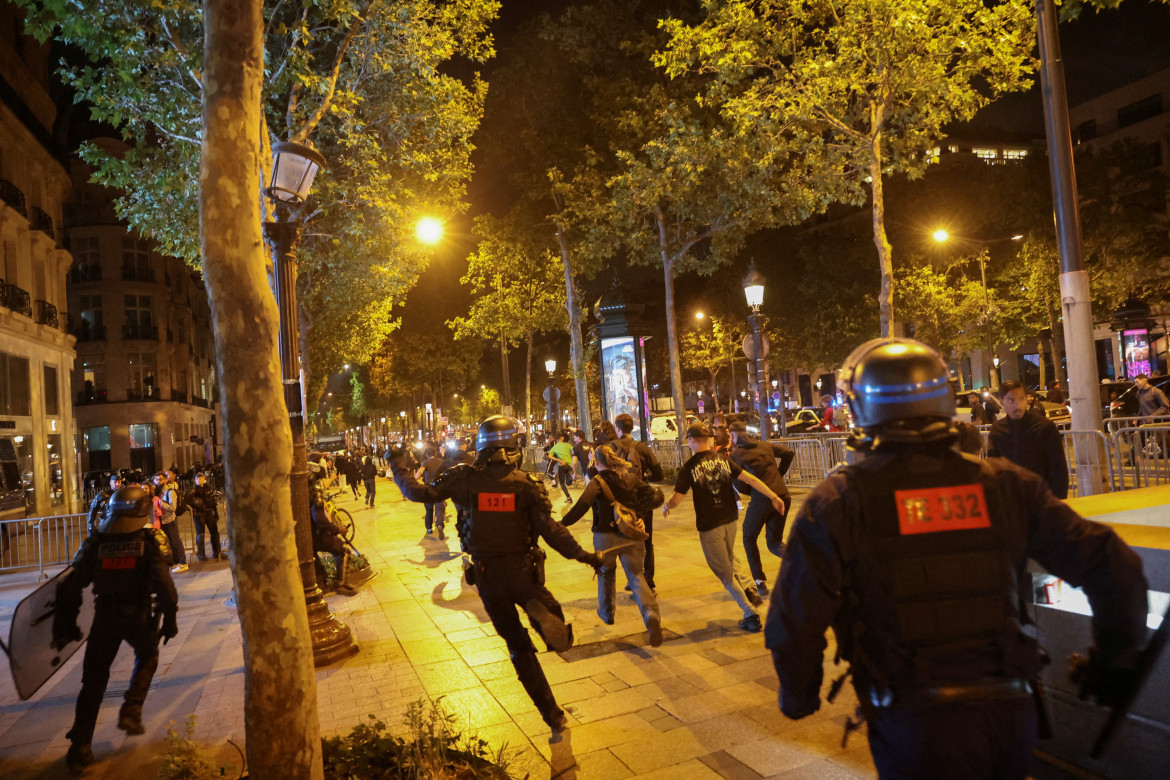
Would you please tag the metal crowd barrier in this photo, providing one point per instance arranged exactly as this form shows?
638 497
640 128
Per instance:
29 542
671 454
1115 424
1088 455
1141 456
810 464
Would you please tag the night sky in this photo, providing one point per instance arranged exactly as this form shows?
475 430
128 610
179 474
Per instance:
1102 51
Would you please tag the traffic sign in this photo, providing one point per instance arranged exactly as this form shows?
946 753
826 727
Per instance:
749 346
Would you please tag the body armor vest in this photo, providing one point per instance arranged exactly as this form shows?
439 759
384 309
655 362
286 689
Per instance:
498 523
936 597
123 566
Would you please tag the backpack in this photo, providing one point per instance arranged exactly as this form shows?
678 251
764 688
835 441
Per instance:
628 523
181 505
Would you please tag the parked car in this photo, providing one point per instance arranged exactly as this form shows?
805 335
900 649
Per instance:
803 420
662 426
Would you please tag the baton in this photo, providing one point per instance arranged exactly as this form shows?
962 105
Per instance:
1145 665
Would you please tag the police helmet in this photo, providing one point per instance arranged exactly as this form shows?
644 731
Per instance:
898 390
498 439
128 511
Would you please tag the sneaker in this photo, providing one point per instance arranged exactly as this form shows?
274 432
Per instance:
557 721
753 597
131 724
654 629
430 531
79 757
751 624
762 587
182 567
557 634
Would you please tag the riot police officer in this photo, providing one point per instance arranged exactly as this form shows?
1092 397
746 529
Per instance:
127 562
502 512
97 508
204 503
915 555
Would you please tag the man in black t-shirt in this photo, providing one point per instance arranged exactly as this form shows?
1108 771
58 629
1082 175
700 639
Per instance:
717 517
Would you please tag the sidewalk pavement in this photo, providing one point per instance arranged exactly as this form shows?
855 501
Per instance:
703 705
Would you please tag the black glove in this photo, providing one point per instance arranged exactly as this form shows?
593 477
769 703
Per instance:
593 559
170 628
64 635
1109 685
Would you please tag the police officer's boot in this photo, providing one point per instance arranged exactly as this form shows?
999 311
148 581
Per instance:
557 634
80 756
343 587
130 719
536 686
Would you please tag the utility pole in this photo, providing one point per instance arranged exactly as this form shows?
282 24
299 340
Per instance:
1083 390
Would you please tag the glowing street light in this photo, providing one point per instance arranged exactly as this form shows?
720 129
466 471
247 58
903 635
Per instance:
429 230
941 235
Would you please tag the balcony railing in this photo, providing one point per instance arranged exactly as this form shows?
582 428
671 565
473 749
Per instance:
145 332
85 273
86 332
46 314
148 393
93 395
179 395
11 195
197 401
39 219
16 299
134 273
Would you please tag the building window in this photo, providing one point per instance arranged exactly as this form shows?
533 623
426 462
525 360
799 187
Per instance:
91 310
15 393
52 401
984 153
97 447
135 260
1139 111
139 317
141 384
1015 154
56 470
1087 130
93 380
143 446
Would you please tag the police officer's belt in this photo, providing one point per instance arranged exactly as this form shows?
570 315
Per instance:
957 693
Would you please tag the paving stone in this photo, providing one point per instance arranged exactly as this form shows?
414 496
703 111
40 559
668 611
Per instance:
662 749
728 767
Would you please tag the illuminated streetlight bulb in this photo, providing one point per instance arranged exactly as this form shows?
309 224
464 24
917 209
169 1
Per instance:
699 315
941 235
429 230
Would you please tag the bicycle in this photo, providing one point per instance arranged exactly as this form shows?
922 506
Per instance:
340 517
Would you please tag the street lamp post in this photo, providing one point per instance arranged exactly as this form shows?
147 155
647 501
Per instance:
293 168
551 396
753 290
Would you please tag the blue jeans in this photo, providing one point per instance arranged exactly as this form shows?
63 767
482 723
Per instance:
436 513
370 489
632 557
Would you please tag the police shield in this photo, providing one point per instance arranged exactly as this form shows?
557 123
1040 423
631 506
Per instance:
31 656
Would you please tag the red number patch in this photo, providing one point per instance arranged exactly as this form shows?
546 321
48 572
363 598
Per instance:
119 563
497 502
956 508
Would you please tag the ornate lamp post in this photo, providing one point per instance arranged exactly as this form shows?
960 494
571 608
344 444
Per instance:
293 168
753 290
551 396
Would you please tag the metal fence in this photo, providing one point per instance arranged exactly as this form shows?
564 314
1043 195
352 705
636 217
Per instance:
40 542
1088 454
1141 457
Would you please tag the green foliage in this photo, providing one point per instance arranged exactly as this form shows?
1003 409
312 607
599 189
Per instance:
361 80
947 307
434 751
185 759
407 365
711 344
866 88
357 401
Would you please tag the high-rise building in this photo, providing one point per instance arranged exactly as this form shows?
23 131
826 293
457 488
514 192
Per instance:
38 459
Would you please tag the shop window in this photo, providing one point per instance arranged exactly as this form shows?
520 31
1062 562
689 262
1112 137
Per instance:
56 459
144 447
96 442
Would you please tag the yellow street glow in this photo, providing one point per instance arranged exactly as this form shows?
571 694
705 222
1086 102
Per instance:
941 235
429 230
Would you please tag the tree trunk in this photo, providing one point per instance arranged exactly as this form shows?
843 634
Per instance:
715 388
576 345
885 251
1043 368
1057 347
283 738
506 385
671 331
528 385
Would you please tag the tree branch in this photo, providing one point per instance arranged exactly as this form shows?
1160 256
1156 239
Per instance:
334 74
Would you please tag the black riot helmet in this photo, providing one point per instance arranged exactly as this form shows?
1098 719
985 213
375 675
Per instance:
898 390
498 439
128 511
